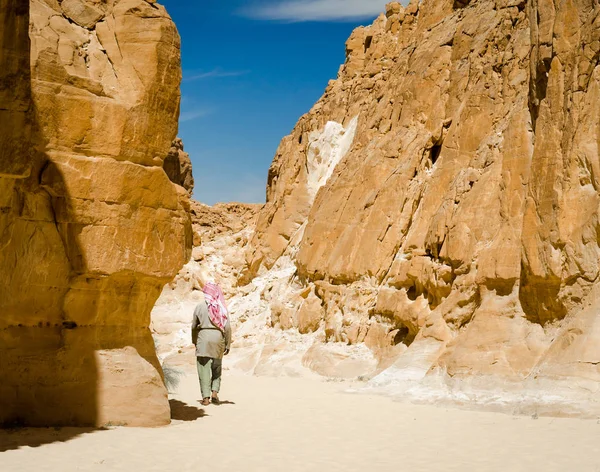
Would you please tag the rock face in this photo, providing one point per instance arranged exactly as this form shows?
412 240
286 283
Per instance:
440 204
178 166
91 228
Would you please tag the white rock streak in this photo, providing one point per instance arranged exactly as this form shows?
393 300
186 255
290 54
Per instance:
325 150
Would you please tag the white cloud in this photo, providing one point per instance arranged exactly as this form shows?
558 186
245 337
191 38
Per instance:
316 10
193 114
215 73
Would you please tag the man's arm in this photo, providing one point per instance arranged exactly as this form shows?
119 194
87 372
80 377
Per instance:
227 337
195 327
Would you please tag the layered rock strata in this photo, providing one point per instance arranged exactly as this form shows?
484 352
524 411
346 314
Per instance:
440 204
91 228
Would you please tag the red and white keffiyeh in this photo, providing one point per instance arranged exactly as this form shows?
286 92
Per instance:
217 310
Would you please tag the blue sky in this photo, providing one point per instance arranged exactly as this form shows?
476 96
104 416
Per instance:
250 70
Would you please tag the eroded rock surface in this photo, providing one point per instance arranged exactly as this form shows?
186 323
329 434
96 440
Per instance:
439 204
91 228
178 166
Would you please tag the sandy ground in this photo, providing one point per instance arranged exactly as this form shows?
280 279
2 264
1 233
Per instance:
293 425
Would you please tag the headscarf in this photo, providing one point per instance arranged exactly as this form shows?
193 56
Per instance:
217 310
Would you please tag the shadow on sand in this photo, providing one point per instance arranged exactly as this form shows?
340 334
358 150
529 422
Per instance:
15 438
184 412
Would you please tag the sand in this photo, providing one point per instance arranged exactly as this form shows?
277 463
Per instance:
293 425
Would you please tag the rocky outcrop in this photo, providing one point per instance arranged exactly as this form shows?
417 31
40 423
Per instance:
178 166
441 202
91 228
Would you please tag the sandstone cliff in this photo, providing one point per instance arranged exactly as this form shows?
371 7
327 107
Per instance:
91 228
439 204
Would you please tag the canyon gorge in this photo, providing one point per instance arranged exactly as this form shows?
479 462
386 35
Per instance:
431 224
430 228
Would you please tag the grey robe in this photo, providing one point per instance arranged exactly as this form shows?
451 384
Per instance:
209 340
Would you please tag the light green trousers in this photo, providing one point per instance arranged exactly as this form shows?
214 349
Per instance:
209 374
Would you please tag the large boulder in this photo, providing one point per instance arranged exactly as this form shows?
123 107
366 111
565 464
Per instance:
91 228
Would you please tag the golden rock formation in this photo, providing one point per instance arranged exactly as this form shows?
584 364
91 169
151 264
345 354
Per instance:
91 228
441 201
178 166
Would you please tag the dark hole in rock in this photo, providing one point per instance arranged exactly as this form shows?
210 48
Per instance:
368 41
435 153
411 293
403 336
69 324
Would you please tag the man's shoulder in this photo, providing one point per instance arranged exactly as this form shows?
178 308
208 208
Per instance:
201 307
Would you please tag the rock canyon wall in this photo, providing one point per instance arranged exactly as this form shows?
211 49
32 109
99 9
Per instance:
439 205
91 228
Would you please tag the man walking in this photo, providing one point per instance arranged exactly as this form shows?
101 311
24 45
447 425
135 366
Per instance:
211 333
